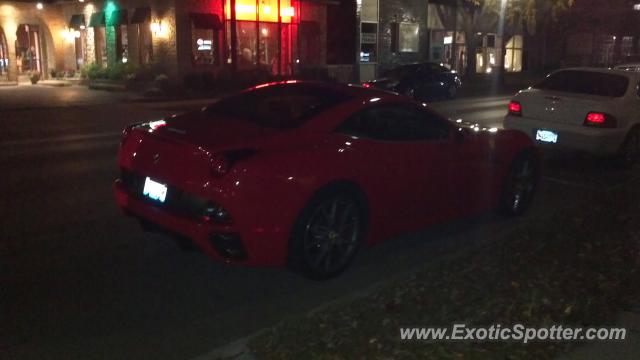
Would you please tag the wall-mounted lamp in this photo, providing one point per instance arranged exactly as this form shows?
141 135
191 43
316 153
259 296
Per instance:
158 28
70 34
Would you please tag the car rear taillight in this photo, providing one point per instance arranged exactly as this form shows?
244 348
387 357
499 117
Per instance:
515 108
366 85
221 163
601 120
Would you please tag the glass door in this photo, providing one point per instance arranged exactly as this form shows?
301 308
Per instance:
4 56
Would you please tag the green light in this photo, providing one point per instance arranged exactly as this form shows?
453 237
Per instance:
110 7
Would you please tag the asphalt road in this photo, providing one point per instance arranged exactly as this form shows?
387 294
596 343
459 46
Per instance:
80 281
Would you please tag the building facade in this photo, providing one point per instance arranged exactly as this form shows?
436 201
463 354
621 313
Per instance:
176 37
348 40
395 32
594 40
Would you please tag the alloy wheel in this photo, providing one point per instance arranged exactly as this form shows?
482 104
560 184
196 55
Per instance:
331 235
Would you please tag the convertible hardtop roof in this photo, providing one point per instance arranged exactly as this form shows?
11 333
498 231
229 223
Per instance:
347 90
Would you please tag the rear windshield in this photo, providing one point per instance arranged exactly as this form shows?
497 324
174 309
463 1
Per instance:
282 106
586 82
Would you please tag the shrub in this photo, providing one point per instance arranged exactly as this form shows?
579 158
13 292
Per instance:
93 71
34 77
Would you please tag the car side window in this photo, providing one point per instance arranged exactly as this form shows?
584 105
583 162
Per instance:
396 123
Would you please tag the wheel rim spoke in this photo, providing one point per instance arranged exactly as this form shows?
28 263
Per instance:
331 235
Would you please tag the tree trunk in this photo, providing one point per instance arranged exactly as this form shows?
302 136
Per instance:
472 46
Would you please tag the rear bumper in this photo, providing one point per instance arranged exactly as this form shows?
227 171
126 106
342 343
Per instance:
570 137
227 243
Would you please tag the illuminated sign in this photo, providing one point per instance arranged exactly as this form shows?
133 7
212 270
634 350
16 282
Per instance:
268 10
204 45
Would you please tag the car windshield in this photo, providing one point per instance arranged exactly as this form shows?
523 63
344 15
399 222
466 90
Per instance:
283 106
586 82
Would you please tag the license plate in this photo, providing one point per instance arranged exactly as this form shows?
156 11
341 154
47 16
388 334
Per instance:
154 190
547 136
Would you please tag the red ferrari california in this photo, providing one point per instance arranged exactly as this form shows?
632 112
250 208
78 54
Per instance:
303 174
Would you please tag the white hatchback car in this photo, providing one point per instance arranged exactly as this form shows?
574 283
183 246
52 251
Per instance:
584 109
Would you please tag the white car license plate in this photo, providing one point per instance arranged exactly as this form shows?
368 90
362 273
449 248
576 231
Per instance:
547 136
154 190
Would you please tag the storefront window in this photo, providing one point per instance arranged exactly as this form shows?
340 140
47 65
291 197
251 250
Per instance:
368 42
205 45
408 37
141 41
513 55
28 49
4 56
265 44
626 47
80 47
488 54
122 44
246 45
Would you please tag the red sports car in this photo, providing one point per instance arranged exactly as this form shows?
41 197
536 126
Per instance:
303 173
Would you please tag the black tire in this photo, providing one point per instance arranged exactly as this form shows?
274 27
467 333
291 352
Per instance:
452 92
520 184
629 152
327 235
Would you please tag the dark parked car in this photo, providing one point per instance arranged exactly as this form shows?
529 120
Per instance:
420 81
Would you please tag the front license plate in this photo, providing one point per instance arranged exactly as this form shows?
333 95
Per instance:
154 190
547 136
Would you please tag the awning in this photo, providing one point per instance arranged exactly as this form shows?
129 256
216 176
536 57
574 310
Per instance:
117 18
77 22
97 19
206 21
141 15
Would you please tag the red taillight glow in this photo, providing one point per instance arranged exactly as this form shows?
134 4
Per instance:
597 119
515 108
366 85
